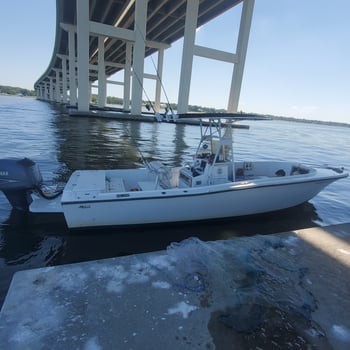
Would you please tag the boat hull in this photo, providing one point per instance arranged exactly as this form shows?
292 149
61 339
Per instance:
181 205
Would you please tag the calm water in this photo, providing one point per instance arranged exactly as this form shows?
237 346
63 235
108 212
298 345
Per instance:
61 144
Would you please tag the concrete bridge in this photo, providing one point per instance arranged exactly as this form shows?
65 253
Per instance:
97 38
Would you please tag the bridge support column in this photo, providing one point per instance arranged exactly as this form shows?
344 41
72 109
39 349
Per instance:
64 78
241 52
127 76
58 87
187 55
190 49
39 92
102 84
138 56
72 79
83 54
46 91
159 79
51 89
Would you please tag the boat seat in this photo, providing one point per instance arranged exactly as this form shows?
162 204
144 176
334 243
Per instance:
147 185
115 184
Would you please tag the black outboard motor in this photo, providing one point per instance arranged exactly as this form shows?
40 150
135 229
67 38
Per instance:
17 178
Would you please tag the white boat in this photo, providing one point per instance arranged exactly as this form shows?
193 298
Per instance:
211 186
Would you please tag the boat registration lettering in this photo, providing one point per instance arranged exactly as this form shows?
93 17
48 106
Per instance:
4 173
123 195
84 206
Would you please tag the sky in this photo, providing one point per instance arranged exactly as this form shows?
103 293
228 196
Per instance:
297 64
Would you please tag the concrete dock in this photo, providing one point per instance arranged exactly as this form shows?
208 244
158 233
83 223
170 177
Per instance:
284 291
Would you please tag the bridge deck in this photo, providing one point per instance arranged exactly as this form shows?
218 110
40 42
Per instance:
165 23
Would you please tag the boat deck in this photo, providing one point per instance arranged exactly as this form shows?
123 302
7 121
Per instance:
84 184
114 184
87 184
92 182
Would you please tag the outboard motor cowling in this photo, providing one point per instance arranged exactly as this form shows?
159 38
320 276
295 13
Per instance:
17 178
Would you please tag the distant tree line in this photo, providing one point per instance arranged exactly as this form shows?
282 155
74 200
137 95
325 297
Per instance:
10 90
191 108
110 100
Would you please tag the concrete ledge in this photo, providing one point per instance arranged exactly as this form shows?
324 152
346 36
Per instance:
118 114
109 114
289 290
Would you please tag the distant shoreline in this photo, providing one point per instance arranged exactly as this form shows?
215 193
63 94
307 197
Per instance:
273 117
309 121
15 95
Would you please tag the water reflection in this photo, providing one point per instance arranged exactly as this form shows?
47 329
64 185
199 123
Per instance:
22 233
90 143
24 240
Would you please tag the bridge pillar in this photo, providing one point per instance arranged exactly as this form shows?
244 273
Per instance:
241 52
46 91
57 86
64 81
39 92
187 55
138 56
127 76
190 49
159 79
72 79
51 89
64 78
83 21
102 84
